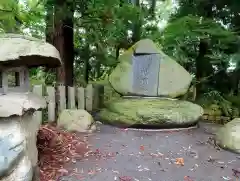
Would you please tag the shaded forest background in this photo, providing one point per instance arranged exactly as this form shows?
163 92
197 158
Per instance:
202 35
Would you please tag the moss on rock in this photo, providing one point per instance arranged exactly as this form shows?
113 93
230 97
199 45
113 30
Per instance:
228 136
149 111
168 84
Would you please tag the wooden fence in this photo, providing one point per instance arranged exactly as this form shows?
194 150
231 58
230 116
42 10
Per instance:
89 98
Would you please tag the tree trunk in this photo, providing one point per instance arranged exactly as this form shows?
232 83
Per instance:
49 34
49 23
201 65
87 66
137 26
63 41
152 8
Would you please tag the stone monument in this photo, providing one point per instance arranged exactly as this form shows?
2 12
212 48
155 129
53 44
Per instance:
18 129
145 70
149 81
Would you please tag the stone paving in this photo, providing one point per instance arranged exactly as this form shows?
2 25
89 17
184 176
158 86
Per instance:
131 155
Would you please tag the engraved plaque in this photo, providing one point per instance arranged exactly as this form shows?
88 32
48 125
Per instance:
145 74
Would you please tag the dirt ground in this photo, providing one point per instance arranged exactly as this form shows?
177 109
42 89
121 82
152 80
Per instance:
132 155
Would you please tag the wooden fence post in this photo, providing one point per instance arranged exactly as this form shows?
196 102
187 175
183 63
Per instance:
81 98
71 98
89 97
51 104
98 96
62 98
38 90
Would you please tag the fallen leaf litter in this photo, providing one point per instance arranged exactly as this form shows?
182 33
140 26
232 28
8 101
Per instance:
55 148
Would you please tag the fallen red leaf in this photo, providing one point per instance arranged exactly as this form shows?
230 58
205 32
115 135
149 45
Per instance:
179 161
125 178
55 148
187 178
142 148
236 172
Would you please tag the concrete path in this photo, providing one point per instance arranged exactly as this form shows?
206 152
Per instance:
125 155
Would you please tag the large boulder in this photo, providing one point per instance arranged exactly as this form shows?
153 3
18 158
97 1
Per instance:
151 112
146 71
228 136
76 120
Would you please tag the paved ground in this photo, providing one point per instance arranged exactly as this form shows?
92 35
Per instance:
125 155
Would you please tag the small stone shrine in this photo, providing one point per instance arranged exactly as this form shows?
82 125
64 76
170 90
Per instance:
149 81
18 129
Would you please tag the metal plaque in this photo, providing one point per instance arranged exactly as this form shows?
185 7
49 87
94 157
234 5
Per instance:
145 74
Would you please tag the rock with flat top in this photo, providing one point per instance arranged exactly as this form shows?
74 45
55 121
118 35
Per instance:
145 70
228 136
160 112
76 120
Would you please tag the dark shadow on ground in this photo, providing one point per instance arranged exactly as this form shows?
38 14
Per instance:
151 156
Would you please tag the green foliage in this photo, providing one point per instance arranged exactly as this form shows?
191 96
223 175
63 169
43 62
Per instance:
21 16
101 26
235 100
216 104
182 36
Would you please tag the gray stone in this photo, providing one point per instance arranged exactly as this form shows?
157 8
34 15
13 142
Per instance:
76 120
12 145
17 50
19 103
29 128
162 74
145 75
16 119
10 154
151 112
68 178
18 151
36 174
22 172
146 47
228 136
16 148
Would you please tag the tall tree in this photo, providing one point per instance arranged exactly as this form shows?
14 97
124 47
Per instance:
136 32
63 39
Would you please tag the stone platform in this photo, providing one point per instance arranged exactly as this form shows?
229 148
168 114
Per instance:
151 112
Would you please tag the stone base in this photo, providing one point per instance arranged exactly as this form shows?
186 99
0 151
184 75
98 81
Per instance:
30 127
22 172
36 174
20 133
151 112
168 126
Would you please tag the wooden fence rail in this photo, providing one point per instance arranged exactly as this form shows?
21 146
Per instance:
89 98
